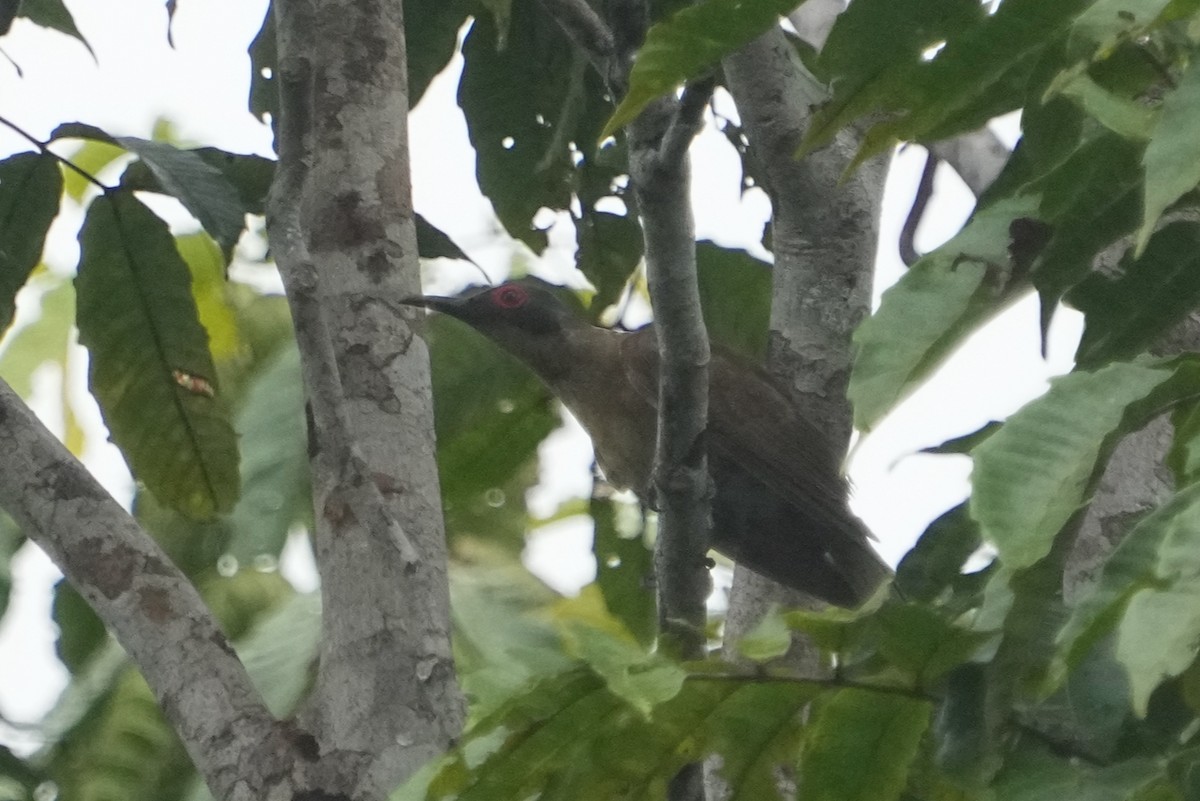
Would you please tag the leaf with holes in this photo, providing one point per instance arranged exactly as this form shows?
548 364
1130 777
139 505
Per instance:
137 317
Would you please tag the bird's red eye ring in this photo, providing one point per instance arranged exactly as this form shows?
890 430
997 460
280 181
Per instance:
510 297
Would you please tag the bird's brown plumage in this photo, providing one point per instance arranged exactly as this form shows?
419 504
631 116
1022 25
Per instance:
780 505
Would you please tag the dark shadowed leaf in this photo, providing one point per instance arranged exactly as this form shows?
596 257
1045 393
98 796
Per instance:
433 243
149 359
55 15
1125 314
935 563
1034 775
1173 155
30 191
735 293
202 189
431 32
624 566
610 249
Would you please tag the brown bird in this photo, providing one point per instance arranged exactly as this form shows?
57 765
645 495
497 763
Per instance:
780 504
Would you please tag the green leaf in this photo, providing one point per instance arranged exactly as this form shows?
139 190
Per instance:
873 50
92 156
1172 157
124 750
150 367
1124 116
624 566
735 294
280 652
30 190
936 561
594 636
1034 776
610 249
755 730
860 745
1036 472
523 103
263 100
1125 314
43 340
1148 589
1000 51
183 174
431 31
692 41
53 14
275 485
919 641
491 414
81 634
503 640
433 243
770 638
930 310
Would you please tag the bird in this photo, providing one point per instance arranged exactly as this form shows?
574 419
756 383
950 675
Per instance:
780 505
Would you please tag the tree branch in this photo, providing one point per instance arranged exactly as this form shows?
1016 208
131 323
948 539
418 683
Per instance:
152 609
824 234
341 226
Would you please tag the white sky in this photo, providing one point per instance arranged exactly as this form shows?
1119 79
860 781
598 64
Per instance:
201 87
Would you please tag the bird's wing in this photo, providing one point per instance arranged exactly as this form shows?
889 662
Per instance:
753 423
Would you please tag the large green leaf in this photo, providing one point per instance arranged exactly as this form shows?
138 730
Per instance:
150 367
691 42
1173 155
1125 314
931 309
1036 472
431 33
30 190
860 746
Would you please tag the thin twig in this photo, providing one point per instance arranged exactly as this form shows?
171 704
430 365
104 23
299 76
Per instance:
920 204
688 120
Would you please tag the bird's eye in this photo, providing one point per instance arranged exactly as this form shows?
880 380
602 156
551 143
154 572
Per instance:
510 297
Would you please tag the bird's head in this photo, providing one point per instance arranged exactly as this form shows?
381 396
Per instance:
526 317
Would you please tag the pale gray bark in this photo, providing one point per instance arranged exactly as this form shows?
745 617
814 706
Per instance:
386 698
824 236
153 610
